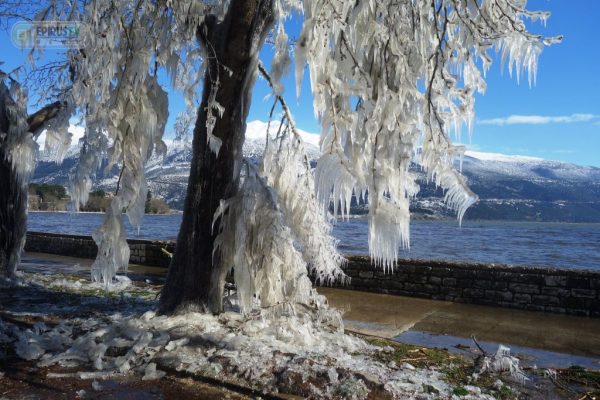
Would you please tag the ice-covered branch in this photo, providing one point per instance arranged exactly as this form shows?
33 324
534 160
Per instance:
391 80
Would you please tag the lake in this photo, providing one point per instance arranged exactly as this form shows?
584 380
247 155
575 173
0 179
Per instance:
574 246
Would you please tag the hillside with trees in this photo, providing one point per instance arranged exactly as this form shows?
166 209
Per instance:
48 197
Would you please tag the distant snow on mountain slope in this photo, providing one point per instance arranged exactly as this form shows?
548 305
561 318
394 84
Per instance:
509 187
257 130
492 164
500 157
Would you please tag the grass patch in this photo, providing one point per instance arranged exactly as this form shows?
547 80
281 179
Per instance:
582 380
420 357
460 391
505 393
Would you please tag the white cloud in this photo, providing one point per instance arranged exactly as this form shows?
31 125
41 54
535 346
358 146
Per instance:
539 119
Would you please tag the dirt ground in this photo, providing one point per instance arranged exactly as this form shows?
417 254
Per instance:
22 380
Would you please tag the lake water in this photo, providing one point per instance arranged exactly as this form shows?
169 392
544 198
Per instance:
563 245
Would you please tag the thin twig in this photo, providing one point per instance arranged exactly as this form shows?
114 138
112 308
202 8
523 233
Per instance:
485 353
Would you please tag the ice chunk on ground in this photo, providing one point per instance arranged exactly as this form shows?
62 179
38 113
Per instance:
151 373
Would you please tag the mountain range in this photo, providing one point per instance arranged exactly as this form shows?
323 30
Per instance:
509 187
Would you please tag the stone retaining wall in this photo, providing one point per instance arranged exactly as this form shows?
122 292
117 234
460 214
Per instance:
562 291
554 290
144 252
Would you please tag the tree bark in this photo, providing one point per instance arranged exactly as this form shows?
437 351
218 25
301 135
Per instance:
196 277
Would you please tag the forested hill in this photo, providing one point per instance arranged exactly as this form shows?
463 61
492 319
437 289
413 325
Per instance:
509 187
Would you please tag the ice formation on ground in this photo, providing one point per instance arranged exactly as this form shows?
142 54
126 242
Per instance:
292 354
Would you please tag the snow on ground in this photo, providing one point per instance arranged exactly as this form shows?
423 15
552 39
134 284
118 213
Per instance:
120 337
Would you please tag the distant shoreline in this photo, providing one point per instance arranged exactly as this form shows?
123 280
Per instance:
172 212
414 218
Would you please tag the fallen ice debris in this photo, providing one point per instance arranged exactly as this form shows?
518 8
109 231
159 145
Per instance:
294 353
151 373
502 361
173 344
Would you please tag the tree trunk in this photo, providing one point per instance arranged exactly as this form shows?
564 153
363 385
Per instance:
13 200
196 278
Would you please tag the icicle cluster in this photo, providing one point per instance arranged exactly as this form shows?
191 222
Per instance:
123 44
286 170
274 233
391 80
18 145
58 137
18 150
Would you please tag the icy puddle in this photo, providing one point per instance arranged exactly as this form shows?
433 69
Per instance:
530 357
546 340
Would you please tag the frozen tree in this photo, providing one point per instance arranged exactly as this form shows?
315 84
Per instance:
19 131
391 80
18 151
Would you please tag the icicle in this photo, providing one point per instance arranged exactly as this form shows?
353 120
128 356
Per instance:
281 60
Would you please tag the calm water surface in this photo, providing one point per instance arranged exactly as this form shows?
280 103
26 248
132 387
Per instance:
519 243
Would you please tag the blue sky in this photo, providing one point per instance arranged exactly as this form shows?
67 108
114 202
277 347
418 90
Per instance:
558 118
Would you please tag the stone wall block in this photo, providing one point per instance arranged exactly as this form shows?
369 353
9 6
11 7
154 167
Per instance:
431 289
584 293
475 294
366 274
414 287
578 282
545 300
482 284
449 281
524 288
435 280
532 279
522 298
499 285
556 291
416 278
464 274
451 291
400 277
496 295
555 280
441 271
464 283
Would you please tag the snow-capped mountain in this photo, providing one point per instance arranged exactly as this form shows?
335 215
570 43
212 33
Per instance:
509 187
517 187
